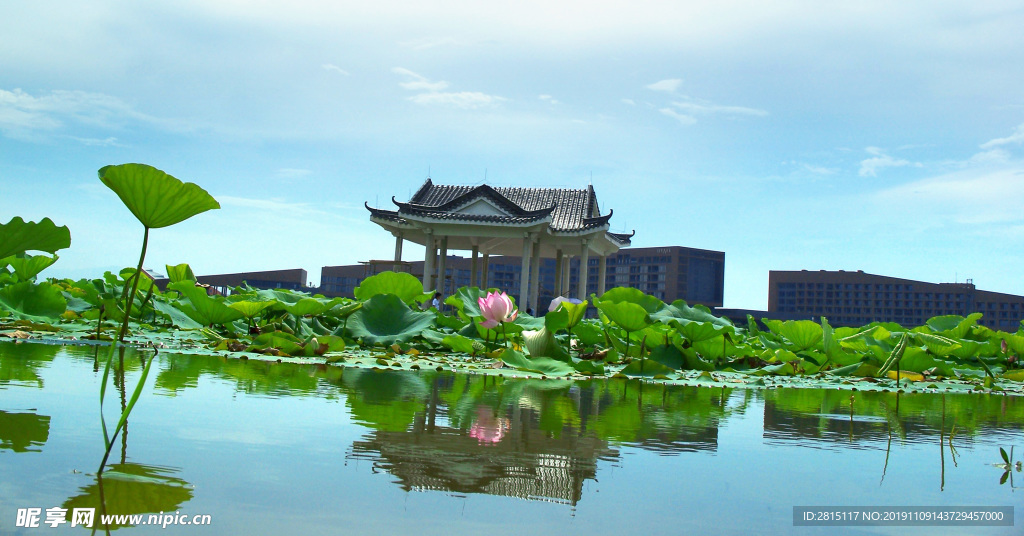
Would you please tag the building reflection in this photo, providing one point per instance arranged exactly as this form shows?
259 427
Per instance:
22 431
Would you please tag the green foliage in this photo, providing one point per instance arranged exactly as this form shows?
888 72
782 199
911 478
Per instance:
18 236
39 303
385 319
401 284
155 198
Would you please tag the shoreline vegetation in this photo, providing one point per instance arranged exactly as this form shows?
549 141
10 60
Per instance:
391 324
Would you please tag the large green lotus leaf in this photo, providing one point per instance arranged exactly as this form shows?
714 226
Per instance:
401 284
680 312
627 315
953 326
804 334
180 272
717 348
132 489
1014 343
589 333
386 319
40 303
918 360
284 342
576 311
542 343
456 343
28 266
18 236
670 356
700 331
937 344
588 367
204 309
542 365
154 197
556 320
311 306
631 295
177 317
452 322
248 308
646 367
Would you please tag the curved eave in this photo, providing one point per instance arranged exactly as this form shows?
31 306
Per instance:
464 200
622 238
475 219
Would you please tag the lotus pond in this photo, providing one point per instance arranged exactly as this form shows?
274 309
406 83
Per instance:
267 448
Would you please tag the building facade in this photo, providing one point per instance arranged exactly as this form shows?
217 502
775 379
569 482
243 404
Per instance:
857 298
668 273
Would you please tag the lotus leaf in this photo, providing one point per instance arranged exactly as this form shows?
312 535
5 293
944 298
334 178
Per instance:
29 266
280 340
670 356
541 365
953 325
155 198
649 303
401 284
18 236
180 272
556 320
177 317
627 315
646 367
465 301
385 319
250 309
39 303
682 312
204 309
803 334
588 367
311 306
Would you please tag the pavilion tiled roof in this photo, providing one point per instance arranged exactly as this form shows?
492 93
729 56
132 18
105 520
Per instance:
570 210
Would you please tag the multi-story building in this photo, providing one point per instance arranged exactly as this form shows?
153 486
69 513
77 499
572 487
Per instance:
857 298
668 273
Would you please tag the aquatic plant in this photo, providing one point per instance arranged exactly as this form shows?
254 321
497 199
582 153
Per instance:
157 200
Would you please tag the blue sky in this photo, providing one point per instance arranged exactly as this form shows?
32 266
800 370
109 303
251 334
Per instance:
881 136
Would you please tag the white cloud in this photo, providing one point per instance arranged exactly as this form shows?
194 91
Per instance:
670 85
548 98
21 112
682 118
335 68
989 157
463 99
424 44
820 170
94 142
869 167
972 196
418 82
292 173
704 107
630 102
1016 137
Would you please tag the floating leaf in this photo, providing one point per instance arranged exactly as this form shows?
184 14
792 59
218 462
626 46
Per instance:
154 197
204 309
542 365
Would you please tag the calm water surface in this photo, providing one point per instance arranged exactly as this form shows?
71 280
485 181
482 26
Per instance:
270 448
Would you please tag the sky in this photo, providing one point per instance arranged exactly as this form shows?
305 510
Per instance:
873 135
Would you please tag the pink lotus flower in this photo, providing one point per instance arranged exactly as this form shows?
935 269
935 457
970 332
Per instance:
496 308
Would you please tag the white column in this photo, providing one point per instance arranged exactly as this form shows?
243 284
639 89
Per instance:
398 252
428 260
558 272
566 271
581 274
442 267
524 273
602 274
473 267
483 270
535 276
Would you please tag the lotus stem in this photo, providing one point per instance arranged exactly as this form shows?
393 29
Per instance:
135 287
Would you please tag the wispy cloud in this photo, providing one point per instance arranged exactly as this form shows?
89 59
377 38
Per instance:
292 173
335 68
424 44
28 117
706 108
466 100
670 85
548 98
94 142
974 196
682 118
419 82
1016 137
630 102
433 94
869 167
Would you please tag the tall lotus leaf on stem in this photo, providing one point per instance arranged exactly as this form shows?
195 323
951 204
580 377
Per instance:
497 308
157 200
18 236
